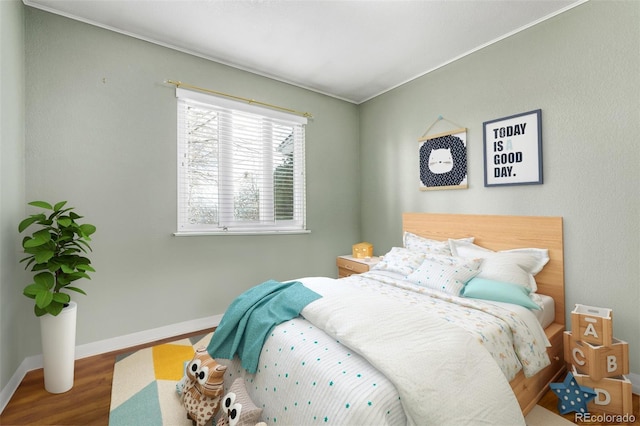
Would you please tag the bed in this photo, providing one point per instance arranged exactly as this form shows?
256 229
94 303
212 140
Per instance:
378 349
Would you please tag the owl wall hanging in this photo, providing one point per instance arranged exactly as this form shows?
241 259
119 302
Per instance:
443 160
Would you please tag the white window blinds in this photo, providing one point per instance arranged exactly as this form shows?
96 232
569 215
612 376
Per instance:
240 167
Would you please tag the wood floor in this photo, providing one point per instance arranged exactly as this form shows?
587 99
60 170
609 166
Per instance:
550 402
87 403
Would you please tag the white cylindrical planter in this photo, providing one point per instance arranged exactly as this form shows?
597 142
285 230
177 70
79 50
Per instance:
59 348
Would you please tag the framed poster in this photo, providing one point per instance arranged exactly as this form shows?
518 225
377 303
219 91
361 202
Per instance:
443 160
513 150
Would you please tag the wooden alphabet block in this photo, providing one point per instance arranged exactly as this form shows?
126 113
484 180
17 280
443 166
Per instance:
613 394
593 325
597 361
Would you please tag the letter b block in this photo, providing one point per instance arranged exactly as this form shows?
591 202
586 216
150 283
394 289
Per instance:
597 361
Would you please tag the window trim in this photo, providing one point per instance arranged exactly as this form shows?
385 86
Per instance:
247 232
220 102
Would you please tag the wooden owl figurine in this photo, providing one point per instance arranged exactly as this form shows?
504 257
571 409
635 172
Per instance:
203 389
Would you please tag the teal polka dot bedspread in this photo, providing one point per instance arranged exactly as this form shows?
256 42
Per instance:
306 377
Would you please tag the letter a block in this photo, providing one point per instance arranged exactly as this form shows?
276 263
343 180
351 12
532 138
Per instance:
613 395
597 361
593 325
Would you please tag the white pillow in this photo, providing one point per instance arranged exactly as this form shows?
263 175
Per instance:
517 266
445 273
400 260
425 245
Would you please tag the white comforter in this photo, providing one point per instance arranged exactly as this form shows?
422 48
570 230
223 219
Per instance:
375 350
420 353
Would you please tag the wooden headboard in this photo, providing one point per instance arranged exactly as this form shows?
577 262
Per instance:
503 233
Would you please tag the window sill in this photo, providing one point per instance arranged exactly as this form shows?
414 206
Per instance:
215 233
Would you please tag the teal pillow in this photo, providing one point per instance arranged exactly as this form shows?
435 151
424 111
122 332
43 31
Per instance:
481 288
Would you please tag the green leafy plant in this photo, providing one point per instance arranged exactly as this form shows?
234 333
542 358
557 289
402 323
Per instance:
56 255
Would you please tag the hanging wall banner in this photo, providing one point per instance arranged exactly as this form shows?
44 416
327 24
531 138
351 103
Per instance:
443 160
513 150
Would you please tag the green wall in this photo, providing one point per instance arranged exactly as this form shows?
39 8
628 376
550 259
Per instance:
99 125
101 133
582 69
12 116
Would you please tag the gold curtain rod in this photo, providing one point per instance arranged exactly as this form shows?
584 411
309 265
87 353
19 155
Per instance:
238 98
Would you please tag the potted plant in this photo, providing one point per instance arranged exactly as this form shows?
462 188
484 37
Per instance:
56 254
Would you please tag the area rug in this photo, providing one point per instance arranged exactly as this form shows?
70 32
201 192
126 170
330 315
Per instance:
540 416
144 393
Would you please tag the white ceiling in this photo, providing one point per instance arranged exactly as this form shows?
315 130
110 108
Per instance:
350 49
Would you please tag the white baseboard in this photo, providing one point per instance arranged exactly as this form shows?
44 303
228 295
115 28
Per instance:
108 345
25 366
147 336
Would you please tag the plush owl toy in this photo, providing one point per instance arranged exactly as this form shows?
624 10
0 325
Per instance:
203 387
238 409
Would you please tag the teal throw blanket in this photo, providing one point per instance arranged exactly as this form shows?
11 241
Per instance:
251 316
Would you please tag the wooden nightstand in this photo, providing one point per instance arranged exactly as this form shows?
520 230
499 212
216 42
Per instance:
349 265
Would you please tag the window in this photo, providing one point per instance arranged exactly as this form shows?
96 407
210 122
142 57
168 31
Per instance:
240 167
